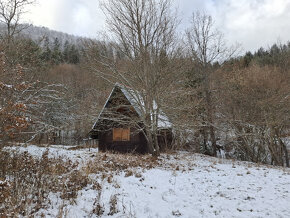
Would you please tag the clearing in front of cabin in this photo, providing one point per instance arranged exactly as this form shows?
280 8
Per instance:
63 182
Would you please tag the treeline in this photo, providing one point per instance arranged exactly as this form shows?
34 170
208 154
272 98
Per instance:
249 106
276 55
55 54
252 105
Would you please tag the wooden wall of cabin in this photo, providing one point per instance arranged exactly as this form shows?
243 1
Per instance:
137 142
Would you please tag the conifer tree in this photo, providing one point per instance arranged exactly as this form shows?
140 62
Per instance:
46 54
56 52
73 55
65 53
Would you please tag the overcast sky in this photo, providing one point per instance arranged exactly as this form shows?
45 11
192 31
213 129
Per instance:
253 23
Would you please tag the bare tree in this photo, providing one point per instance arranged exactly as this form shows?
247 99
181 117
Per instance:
29 109
255 107
143 36
11 12
206 45
29 106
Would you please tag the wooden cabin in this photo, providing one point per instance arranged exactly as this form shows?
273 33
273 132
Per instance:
119 126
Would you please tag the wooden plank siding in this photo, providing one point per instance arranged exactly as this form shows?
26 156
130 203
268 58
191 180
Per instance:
137 142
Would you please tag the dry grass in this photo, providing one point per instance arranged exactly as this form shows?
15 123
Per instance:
25 182
78 147
109 162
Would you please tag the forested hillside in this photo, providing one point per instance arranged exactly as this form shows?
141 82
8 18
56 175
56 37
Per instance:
37 34
44 73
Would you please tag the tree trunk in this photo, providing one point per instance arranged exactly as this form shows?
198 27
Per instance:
273 147
204 135
283 147
150 145
285 152
273 152
213 140
210 120
156 145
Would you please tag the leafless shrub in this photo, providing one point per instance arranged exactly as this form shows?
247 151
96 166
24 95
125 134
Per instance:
98 206
109 162
113 205
255 109
129 173
74 183
25 182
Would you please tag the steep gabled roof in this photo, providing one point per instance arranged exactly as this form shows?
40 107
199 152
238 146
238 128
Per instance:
137 102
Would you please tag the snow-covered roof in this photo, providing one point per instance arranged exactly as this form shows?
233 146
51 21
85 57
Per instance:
137 102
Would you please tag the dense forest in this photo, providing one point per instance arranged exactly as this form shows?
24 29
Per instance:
52 88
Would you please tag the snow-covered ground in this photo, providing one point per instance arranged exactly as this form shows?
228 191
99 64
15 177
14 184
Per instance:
56 151
180 185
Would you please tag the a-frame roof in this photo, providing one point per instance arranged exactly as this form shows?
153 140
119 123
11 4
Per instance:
136 101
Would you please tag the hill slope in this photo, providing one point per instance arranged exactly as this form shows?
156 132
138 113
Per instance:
37 33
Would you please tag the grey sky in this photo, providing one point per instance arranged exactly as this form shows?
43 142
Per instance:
253 23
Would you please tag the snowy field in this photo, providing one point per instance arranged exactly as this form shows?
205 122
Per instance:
56 151
180 185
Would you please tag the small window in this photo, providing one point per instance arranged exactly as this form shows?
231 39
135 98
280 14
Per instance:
120 134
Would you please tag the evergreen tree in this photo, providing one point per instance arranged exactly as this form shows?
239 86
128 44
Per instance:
248 59
66 51
261 52
274 50
56 52
74 56
47 53
70 54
